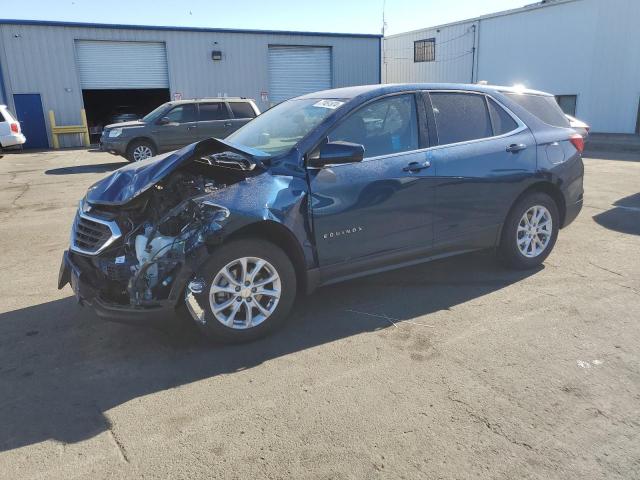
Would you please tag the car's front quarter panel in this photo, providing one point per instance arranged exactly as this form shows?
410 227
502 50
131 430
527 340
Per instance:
278 198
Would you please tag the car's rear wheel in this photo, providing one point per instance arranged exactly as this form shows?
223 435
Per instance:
530 231
139 150
245 291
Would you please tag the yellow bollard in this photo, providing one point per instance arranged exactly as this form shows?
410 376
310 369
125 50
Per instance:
52 121
85 135
61 130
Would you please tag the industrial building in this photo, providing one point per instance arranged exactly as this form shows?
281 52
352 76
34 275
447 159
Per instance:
113 69
586 52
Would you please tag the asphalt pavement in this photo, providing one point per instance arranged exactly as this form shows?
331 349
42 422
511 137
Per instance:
456 369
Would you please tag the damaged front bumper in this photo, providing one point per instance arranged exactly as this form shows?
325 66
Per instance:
88 294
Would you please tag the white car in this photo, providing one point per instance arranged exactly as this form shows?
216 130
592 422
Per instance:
10 133
579 126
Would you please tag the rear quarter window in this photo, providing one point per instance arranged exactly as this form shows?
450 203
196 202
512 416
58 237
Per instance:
242 110
460 117
542 106
5 116
502 122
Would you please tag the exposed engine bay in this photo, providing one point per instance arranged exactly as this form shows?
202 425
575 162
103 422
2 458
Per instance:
158 238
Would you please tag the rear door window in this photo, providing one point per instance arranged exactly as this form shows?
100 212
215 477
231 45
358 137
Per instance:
213 111
542 106
383 127
502 121
460 117
242 110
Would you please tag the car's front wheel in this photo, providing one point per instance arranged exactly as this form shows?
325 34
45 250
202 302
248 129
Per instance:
245 291
530 231
140 150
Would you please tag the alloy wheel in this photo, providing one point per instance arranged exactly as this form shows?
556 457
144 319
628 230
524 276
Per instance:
142 152
245 293
534 231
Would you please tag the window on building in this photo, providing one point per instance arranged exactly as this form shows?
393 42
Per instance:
213 111
383 127
501 120
242 110
567 103
182 114
424 50
460 117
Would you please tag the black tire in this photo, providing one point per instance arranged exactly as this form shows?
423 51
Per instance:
509 252
136 144
221 257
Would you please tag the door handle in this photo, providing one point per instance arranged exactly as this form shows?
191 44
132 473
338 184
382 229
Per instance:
516 147
191 127
416 166
228 124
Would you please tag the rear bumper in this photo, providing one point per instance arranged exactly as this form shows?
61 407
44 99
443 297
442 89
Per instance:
573 210
88 295
13 140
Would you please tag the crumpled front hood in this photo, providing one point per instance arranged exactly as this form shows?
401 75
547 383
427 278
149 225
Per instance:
128 182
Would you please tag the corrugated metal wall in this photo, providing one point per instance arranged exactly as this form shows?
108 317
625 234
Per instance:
41 59
452 61
588 48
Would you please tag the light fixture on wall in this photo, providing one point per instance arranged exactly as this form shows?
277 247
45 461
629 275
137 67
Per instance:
216 55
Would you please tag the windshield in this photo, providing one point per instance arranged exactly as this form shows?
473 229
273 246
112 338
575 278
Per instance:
277 130
155 114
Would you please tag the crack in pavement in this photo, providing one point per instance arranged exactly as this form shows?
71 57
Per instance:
493 427
115 438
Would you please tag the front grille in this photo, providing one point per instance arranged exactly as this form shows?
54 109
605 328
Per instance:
92 235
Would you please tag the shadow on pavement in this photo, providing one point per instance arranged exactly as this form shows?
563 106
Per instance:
91 168
61 367
624 217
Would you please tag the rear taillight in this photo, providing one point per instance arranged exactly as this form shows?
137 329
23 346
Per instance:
578 142
15 127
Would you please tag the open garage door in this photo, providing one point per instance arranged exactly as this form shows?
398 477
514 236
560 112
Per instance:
296 70
120 81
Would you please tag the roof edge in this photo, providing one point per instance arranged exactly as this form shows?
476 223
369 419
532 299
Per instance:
502 13
54 23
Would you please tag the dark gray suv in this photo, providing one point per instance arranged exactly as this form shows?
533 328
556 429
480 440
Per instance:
175 124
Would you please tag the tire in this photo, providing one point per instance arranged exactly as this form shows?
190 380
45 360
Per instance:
243 300
526 245
136 149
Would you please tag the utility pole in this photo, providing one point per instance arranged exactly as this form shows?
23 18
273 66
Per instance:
383 49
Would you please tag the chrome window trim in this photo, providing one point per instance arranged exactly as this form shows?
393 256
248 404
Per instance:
113 227
519 129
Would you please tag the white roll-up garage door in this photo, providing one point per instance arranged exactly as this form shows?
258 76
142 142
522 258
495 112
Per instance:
297 70
115 65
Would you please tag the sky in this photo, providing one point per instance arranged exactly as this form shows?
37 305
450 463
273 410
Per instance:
343 16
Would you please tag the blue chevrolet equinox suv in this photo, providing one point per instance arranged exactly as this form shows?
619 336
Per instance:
323 188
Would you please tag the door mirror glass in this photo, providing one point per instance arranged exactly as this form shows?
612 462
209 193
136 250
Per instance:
335 153
163 121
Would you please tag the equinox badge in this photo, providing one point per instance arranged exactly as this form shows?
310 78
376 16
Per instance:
347 231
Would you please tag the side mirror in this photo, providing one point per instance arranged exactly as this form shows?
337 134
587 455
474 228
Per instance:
164 121
335 153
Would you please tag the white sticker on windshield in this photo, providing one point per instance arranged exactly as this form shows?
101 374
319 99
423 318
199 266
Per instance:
332 104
